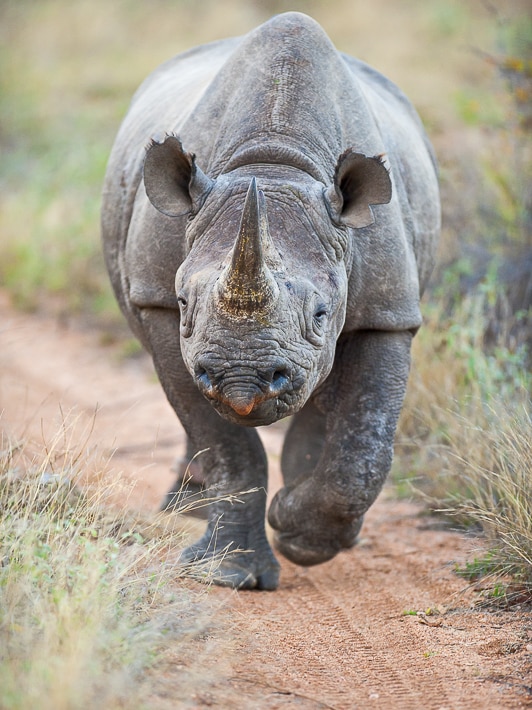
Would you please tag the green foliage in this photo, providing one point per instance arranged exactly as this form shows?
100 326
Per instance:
69 72
478 107
448 18
478 568
57 128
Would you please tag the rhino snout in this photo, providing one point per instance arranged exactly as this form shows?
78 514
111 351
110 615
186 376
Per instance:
240 387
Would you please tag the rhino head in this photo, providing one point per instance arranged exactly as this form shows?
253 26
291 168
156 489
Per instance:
263 290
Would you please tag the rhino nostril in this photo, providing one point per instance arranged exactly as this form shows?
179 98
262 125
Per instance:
203 378
278 376
275 374
279 380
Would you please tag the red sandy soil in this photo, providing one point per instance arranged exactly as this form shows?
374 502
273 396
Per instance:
332 636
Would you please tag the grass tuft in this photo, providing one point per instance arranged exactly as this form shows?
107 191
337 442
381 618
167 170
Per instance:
90 598
465 432
499 497
464 443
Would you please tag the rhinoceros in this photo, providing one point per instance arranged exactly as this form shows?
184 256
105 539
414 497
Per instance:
270 216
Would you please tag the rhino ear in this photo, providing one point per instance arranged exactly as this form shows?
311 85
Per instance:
359 182
175 185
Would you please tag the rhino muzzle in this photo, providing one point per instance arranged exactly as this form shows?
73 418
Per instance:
243 390
247 287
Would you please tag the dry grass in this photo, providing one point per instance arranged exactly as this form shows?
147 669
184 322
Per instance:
466 430
90 598
497 475
464 442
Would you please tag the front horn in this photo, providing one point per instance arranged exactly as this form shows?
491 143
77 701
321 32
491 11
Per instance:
247 287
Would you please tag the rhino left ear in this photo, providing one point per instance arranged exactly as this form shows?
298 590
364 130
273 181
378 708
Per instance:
175 185
359 182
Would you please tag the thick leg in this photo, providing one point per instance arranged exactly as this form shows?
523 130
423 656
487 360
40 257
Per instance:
303 444
321 514
188 493
233 463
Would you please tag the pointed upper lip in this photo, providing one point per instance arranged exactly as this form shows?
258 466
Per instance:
248 411
243 403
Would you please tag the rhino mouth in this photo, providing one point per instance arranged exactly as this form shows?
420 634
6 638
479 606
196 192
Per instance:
246 395
252 403
261 412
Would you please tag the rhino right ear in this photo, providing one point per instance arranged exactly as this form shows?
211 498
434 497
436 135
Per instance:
359 182
175 185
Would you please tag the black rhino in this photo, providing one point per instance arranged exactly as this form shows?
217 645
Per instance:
270 216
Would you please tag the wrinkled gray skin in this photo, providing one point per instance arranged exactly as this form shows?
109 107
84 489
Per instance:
264 284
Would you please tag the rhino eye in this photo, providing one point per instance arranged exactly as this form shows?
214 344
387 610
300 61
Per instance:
320 314
186 315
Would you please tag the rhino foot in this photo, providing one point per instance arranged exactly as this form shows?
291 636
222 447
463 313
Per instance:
310 539
231 567
305 550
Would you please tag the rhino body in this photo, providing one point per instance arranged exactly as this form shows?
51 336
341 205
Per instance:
270 217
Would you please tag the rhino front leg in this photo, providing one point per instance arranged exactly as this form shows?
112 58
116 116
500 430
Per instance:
322 513
188 493
234 466
303 444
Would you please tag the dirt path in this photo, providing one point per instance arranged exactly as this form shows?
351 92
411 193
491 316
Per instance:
333 636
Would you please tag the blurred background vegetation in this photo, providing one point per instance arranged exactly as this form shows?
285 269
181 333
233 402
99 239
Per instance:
69 69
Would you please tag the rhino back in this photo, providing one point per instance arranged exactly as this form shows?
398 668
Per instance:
284 96
412 161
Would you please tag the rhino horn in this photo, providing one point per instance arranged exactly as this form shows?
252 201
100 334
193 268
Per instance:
247 287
